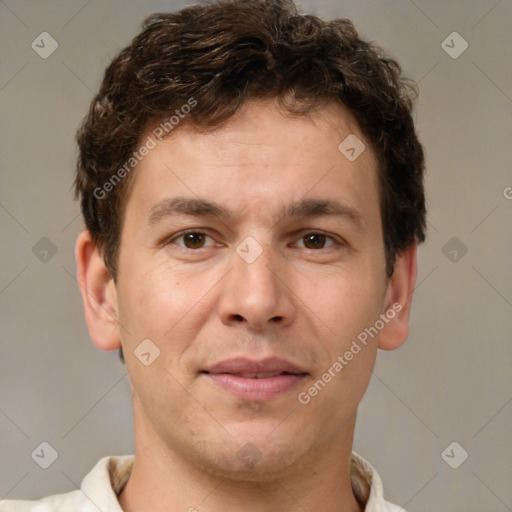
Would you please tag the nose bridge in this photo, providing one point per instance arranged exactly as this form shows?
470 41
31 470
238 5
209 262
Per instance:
253 267
254 292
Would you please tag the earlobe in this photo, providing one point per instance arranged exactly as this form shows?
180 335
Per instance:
398 299
98 294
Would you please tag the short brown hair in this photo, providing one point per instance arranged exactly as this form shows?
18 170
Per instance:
225 53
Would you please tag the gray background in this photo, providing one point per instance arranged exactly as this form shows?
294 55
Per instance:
449 382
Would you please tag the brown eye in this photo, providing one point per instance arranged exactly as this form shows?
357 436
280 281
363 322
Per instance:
194 240
191 240
314 240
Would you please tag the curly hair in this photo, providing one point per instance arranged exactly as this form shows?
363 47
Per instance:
217 56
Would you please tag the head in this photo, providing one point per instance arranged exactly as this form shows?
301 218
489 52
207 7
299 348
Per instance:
208 114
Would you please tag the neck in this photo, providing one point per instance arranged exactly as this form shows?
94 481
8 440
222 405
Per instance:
163 479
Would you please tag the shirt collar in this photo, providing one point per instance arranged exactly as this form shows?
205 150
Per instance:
107 479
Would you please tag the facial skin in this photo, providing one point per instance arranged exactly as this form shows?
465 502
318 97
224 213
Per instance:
304 299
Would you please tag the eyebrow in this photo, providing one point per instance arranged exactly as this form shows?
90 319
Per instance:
187 206
318 207
202 208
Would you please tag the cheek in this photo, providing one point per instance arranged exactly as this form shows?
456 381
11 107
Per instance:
345 303
344 306
162 301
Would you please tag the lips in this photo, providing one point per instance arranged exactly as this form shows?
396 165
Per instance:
242 366
255 380
263 375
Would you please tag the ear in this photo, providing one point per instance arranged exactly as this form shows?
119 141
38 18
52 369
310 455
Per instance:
98 294
398 299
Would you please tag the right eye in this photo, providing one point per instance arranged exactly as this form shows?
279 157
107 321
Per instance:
191 239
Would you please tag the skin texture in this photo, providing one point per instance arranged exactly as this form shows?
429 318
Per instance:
299 301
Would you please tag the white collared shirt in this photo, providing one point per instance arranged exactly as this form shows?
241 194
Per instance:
102 485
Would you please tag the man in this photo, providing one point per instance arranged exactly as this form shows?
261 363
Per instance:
252 188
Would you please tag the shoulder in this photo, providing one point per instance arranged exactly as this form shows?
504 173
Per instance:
368 488
99 489
56 503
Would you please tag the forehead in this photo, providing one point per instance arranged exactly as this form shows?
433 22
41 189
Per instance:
261 154
265 125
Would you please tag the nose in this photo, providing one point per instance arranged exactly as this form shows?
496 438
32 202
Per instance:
255 293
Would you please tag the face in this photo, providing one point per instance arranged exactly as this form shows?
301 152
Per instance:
252 257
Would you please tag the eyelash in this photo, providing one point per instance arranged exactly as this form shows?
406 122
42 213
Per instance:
182 234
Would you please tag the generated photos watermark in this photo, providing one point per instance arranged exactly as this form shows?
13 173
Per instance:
162 130
304 397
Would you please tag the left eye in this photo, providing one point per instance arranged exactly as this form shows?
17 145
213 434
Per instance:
316 240
192 239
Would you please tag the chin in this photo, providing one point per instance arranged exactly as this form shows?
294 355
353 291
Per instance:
255 459
268 468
